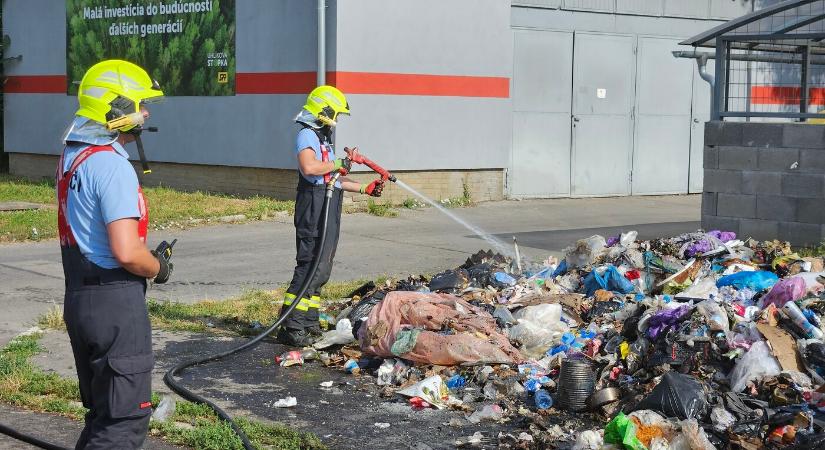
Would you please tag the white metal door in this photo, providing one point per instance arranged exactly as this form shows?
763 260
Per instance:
661 158
542 83
603 92
700 114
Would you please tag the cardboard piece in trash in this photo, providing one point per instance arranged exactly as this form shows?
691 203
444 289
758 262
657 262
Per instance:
783 347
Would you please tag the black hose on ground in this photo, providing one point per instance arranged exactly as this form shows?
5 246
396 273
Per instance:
169 378
11 432
173 384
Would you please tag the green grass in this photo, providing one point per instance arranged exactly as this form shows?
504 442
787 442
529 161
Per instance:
208 432
812 251
235 315
24 385
464 201
20 190
168 208
380 210
52 319
411 203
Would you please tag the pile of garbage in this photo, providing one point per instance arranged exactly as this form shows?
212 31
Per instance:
695 342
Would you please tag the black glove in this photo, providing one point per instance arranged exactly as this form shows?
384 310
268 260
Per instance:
164 256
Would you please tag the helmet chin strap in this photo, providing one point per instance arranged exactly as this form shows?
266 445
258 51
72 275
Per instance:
136 132
326 120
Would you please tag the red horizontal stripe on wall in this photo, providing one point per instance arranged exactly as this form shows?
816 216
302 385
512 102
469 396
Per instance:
303 82
274 83
417 84
783 95
35 84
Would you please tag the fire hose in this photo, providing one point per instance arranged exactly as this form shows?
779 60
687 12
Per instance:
169 377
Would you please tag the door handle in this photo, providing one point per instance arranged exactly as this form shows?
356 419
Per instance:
575 119
695 120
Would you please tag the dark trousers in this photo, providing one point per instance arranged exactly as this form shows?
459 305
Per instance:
111 338
309 203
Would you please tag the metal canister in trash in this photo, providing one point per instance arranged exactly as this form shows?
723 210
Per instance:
577 381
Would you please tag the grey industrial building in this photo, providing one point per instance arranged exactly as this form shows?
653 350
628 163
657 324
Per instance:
521 98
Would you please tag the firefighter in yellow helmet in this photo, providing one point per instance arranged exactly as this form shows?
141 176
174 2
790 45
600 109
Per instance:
317 162
103 221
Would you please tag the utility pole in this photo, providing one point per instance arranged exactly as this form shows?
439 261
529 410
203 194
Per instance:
322 43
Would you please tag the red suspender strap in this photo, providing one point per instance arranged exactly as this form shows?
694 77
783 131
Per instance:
64 180
325 157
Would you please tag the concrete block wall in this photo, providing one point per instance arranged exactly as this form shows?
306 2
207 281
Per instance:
482 185
765 180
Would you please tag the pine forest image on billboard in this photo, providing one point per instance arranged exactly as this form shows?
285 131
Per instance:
187 46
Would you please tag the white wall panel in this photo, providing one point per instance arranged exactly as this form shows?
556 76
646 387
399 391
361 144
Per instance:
650 7
730 9
591 5
688 8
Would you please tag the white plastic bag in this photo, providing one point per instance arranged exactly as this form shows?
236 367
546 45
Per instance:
721 418
589 440
432 390
342 334
538 328
692 437
701 288
716 316
758 362
585 251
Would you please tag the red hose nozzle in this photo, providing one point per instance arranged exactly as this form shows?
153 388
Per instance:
385 175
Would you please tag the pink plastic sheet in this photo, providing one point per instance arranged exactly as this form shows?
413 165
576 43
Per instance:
474 340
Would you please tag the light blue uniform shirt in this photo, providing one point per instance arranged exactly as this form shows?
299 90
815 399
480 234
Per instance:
104 189
308 139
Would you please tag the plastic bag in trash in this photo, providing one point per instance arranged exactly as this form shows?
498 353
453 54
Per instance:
622 431
432 390
362 309
538 328
663 320
784 291
721 418
405 341
475 338
693 437
701 288
755 364
609 279
585 251
487 412
815 354
715 315
589 440
677 395
165 409
342 334
757 280
450 281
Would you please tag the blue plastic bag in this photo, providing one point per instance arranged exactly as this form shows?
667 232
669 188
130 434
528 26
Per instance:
755 281
611 280
560 270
